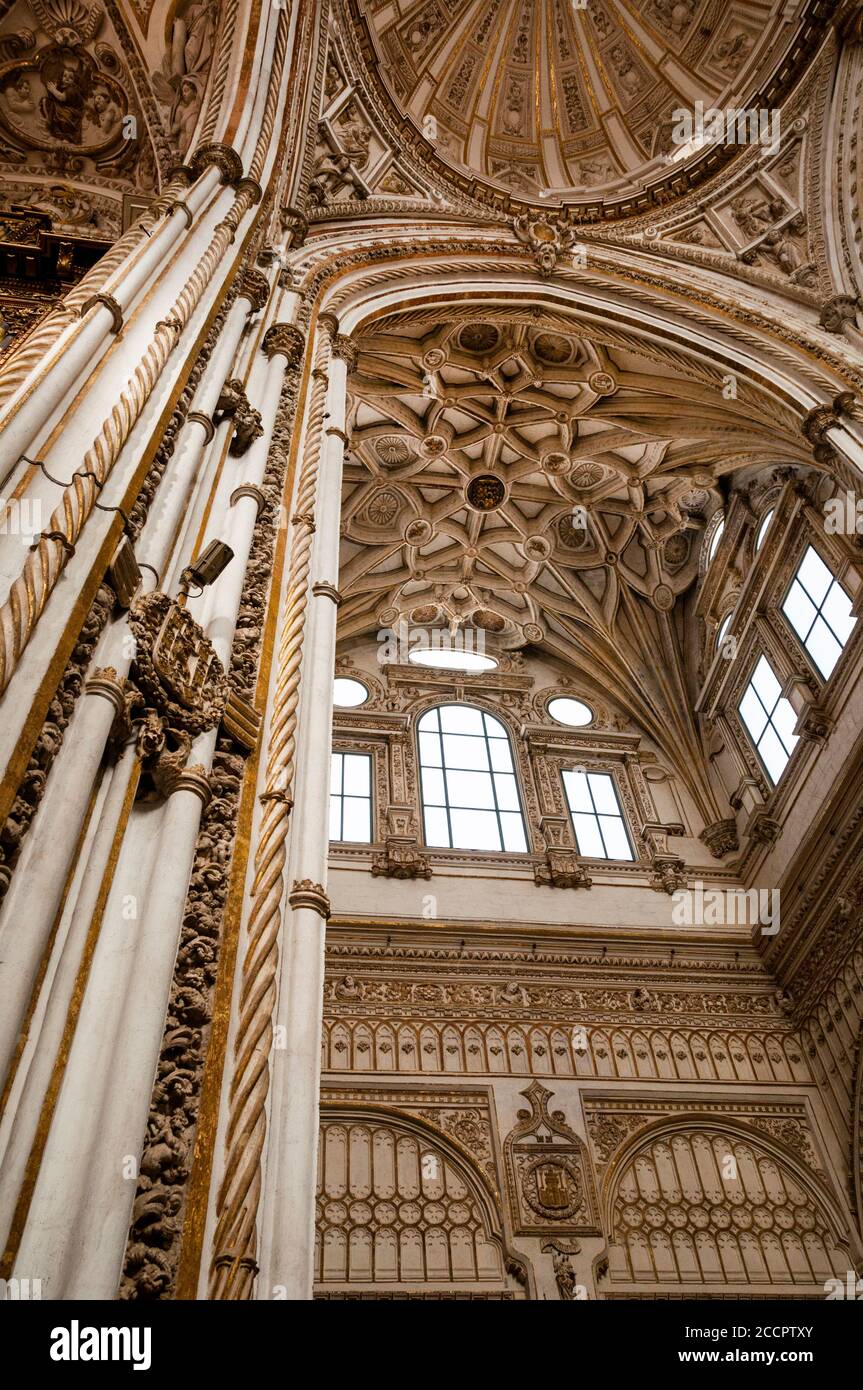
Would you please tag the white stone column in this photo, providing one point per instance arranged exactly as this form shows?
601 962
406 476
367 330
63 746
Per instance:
82 1187
159 536
40 876
20 1122
287 1231
72 355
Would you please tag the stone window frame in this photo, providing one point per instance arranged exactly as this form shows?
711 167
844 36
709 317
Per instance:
345 742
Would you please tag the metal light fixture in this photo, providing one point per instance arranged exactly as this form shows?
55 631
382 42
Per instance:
213 559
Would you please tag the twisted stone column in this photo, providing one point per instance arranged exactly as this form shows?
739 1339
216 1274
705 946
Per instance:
235 1239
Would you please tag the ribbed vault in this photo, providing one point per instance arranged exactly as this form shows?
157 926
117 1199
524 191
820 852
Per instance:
509 472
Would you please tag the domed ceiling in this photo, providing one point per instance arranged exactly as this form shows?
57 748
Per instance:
562 100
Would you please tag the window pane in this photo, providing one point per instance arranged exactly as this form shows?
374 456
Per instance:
604 798
798 610
357 774
513 832
784 719
772 753
464 752
357 820
460 719
430 750
494 728
766 683
507 796
753 713
437 830
837 611
588 837
335 818
823 648
501 758
433 792
470 789
815 575
429 721
614 834
577 793
464 807
336 772
475 830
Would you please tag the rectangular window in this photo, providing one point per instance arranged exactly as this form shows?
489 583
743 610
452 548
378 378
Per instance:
351 798
819 610
769 718
600 830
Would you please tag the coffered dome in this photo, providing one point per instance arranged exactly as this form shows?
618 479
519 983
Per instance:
553 99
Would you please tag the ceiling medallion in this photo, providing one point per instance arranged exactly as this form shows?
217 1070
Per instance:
663 598
418 531
488 621
603 383
552 348
572 536
393 451
532 632
426 613
433 359
382 508
587 475
676 548
433 446
556 463
485 493
479 337
536 548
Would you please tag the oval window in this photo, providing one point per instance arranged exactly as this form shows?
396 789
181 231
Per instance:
347 693
572 712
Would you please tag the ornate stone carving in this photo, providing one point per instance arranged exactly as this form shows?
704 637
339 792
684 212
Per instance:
307 894
233 404
256 288
226 160
402 857
548 1172
287 339
546 239
838 312
721 837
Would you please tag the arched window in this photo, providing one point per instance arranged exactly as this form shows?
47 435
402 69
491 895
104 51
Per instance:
714 541
469 791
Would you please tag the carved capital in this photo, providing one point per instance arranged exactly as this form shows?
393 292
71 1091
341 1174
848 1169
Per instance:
256 288
345 348
104 683
814 723
839 310
250 189
307 894
296 224
562 869
226 160
286 339
814 425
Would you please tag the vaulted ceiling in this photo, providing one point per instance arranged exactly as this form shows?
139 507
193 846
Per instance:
558 98
548 485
